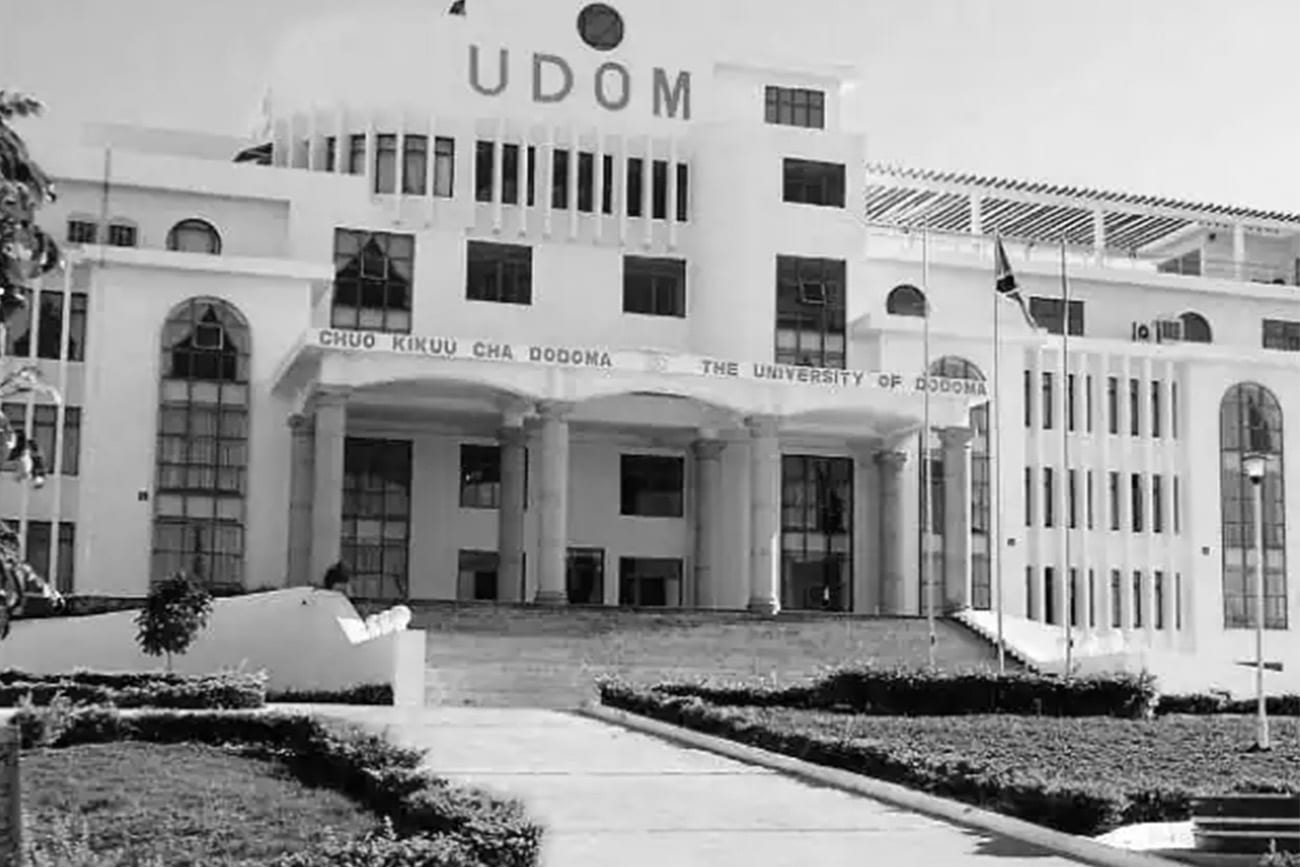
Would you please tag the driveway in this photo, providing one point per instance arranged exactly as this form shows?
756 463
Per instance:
610 796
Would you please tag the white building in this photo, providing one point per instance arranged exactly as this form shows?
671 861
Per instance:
539 306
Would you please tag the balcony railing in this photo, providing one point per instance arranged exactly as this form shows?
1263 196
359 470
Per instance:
1286 273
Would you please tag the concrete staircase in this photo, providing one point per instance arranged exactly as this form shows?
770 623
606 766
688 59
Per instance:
501 655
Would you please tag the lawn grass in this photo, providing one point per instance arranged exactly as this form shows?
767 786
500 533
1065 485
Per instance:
188 804
1204 754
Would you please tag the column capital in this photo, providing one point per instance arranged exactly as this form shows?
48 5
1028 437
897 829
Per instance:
708 449
512 435
956 437
329 395
515 413
557 410
299 423
763 425
891 459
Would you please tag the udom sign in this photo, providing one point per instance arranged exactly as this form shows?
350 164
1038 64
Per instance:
553 80
635 361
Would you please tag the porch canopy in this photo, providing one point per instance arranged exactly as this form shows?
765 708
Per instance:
857 403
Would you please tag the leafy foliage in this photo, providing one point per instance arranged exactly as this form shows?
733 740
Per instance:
177 608
1079 775
228 690
902 691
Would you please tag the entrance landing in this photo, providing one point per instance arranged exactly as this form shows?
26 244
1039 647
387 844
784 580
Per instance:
500 655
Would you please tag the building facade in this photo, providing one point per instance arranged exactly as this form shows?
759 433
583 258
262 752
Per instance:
543 306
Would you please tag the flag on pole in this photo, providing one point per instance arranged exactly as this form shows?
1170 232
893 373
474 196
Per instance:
457 8
1005 283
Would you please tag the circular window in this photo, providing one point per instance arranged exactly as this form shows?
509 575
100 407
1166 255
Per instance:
600 26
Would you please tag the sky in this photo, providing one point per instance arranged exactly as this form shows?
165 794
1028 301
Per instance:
1189 98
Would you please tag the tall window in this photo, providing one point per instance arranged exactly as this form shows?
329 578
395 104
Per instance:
1250 420
373 272
810 319
816 533
953 367
40 539
46 435
1196 328
202 452
50 325
376 516
385 163
480 476
1112 404
194 236
415 164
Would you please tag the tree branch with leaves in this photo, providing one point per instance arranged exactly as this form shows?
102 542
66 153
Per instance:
27 253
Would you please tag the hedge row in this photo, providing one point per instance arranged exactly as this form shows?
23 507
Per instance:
1077 809
231 691
909 692
234 691
379 775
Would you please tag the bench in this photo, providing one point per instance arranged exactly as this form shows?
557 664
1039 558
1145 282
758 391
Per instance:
1246 824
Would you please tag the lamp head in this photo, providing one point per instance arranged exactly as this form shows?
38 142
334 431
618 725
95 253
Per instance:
1255 464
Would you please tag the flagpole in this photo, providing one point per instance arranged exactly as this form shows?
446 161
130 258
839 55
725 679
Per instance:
995 413
1070 493
927 577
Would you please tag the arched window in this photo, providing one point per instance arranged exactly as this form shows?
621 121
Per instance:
1196 329
194 236
202 453
953 367
1250 420
905 300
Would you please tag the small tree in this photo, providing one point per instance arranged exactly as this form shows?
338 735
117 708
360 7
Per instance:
177 608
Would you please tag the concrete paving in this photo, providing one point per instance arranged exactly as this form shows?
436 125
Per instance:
610 796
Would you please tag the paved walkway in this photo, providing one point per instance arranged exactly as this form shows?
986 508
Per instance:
609 796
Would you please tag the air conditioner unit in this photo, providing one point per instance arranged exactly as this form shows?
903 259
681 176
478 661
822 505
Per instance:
812 294
1169 330
1142 332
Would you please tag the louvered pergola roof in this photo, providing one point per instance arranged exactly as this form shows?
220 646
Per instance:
1039 212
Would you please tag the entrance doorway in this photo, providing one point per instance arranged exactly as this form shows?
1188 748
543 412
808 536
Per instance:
585 576
816 533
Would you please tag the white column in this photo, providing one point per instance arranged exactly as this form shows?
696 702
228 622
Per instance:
1238 251
553 504
1099 235
708 500
301 460
956 517
765 501
327 481
545 174
498 174
510 515
893 547
571 182
1101 490
1168 469
1060 430
1146 466
600 180
673 193
1124 443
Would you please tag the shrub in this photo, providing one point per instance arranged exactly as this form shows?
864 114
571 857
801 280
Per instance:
1220 702
366 693
382 848
230 690
906 692
381 776
176 609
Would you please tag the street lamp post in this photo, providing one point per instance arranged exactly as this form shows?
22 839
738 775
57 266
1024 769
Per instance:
1256 465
